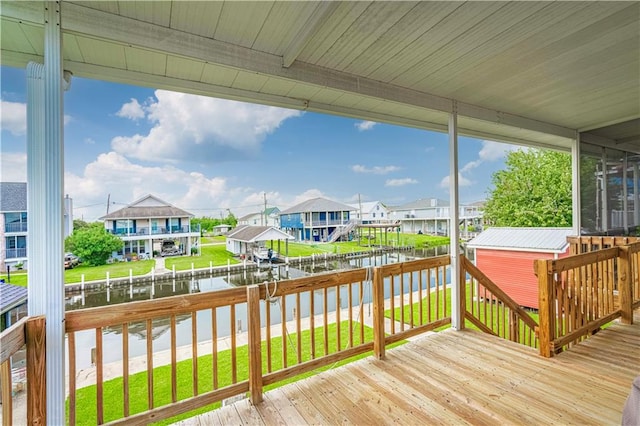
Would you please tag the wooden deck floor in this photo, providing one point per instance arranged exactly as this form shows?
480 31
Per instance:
457 378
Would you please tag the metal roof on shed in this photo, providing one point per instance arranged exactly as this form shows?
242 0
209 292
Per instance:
251 234
550 240
11 296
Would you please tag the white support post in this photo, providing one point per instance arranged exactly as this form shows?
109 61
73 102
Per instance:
605 197
636 198
625 199
45 177
575 185
457 316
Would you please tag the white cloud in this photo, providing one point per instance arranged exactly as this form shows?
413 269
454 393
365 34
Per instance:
307 195
13 117
113 174
13 167
490 151
378 170
462 181
89 141
363 126
400 182
131 110
189 127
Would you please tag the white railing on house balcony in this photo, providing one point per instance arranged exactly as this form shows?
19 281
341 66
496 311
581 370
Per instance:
15 227
15 253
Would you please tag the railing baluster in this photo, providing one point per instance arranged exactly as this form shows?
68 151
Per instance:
214 348
234 353
174 359
338 309
298 330
412 323
267 310
420 314
150 402
428 295
7 400
194 352
325 313
99 378
350 302
392 309
312 330
71 341
401 299
125 368
361 313
283 325
437 277
444 292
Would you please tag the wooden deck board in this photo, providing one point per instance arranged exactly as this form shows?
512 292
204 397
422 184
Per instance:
459 378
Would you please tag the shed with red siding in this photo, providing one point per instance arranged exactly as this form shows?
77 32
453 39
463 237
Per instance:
506 256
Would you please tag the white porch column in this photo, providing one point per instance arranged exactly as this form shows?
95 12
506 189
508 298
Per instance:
457 316
625 200
575 185
45 171
636 198
605 191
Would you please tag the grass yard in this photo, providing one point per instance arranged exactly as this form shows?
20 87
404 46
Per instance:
417 306
113 393
17 278
417 240
214 240
217 254
93 273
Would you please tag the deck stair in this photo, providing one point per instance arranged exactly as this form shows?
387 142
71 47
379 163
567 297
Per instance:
341 231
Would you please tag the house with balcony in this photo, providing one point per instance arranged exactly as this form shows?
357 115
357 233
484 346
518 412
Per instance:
431 216
14 225
315 219
144 224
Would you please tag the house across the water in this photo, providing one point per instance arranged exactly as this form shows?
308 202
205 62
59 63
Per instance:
148 222
316 219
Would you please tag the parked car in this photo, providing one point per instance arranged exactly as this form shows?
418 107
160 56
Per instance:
169 248
70 261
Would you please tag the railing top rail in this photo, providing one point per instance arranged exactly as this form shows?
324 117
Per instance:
12 339
583 259
104 316
414 265
634 247
497 291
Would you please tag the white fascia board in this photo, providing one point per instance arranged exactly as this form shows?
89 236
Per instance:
519 249
319 16
83 21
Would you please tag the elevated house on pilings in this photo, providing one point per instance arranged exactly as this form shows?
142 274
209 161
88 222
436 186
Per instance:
559 75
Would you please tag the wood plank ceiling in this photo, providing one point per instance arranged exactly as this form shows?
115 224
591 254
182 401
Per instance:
522 72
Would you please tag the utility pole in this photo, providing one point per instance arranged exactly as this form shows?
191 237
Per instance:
108 202
266 222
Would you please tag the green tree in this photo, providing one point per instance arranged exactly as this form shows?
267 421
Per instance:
533 190
79 224
93 244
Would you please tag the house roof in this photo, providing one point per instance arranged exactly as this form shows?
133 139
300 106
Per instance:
251 234
248 216
367 207
222 226
318 205
13 196
271 210
146 207
11 296
548 240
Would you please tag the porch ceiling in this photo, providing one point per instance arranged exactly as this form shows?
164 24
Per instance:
522 72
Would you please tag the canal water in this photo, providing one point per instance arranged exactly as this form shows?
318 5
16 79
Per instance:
112 339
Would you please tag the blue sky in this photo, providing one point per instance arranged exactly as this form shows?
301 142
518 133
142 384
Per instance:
207 155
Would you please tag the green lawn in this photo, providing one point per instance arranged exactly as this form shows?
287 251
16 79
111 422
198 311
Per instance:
93 273
417 306
113 393
417 240
214 240
216 253
16 278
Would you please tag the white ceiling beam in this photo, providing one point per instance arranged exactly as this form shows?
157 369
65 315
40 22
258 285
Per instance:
319 16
